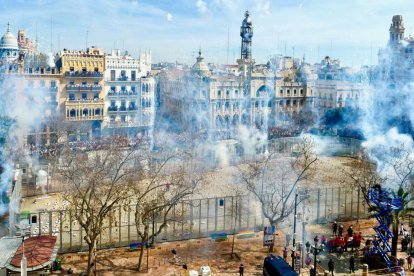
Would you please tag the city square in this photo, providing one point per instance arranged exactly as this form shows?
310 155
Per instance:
206 137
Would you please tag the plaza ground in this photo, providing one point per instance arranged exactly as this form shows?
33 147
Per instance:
196 253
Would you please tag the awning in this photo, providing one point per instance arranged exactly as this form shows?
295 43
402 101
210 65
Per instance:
39 251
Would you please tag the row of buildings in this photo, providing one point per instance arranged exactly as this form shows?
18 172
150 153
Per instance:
92 93
86 93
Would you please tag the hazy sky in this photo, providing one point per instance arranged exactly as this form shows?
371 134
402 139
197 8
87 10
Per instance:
175 29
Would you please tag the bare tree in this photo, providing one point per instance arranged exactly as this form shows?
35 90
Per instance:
97 183
166 179
274 180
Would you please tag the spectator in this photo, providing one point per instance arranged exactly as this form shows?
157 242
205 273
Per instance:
331 266
352 264
341 230
241 269
285 253
350 231
335 228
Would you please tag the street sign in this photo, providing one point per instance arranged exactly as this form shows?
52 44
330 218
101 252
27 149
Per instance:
268 234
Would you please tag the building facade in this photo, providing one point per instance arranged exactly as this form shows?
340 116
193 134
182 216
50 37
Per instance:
218 103
129 101
82 97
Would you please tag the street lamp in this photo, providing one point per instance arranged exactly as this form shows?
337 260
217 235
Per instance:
316 250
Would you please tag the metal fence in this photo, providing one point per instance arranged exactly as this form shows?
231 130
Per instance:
199 218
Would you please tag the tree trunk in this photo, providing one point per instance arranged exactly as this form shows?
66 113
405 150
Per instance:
271 248
141 254
394 241
91 258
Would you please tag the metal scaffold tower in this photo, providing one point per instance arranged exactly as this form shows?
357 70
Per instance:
386 203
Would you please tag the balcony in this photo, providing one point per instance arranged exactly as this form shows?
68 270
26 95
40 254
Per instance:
90 74
121 93
122 79
84 109
83 87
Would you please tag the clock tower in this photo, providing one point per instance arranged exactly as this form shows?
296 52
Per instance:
246 33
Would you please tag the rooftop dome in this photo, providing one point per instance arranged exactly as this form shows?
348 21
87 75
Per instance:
8 40
200 67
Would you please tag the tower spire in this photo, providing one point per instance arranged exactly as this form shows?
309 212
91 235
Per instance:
8 27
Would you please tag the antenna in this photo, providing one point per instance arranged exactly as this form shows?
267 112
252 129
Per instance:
330 50
86 45
293 50
278 45
36 37
228 42
58 42
285 47
317 58
370 59
51 35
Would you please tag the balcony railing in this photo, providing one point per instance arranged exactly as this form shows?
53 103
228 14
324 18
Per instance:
122 78
82 87
112 93
121 109
85 100
90 74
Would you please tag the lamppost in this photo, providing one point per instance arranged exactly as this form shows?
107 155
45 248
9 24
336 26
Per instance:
294 231
316 250
23 263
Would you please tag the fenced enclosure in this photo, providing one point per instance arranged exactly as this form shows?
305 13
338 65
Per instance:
199 218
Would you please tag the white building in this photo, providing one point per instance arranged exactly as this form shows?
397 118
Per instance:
129 102
9 48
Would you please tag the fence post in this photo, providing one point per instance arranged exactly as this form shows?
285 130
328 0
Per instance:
208 213
318 208
119 225
61 230
215 214
129 225
199 219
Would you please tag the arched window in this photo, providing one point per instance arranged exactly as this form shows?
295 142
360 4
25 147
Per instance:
219 122
85 112
72 113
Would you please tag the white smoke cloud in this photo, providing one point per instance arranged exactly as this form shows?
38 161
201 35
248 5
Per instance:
169 17
201 6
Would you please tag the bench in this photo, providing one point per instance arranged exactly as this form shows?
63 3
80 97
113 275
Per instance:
136 245
218 237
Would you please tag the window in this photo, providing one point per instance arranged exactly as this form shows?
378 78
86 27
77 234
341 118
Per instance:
123 105
133 76
227 105
218 105
72 82
53 83
263 104
281 92
71 96
204 93
112 75
236 93
113 103
288 102
97 111
84 96
96 96
256 104
123 117
301 91
294 91
84 82
113 88
83 69
71 69
96 69
228 93
288 91
133 89
219 93
96 82
123 88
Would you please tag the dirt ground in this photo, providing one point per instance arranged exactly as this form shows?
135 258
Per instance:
196 253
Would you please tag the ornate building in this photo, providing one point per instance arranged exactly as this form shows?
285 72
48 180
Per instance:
9 48
82 96
129 101
219 103
26 45
396 61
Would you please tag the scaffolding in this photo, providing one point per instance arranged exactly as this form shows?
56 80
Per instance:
386 203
